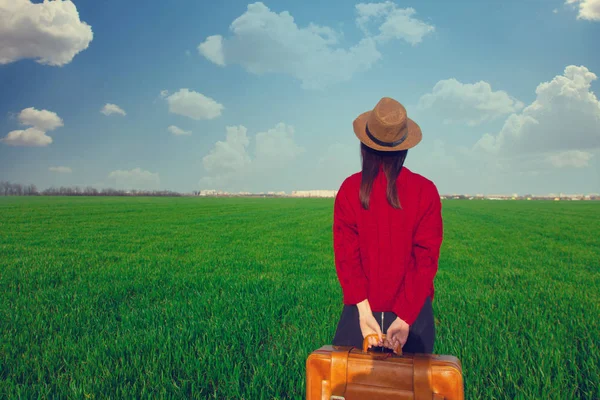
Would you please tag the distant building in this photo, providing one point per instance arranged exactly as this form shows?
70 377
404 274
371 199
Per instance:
455 196
314 193
498 197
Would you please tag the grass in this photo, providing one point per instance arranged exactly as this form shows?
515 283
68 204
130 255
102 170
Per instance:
225 298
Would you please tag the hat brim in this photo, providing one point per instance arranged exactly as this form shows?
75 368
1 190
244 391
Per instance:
360 130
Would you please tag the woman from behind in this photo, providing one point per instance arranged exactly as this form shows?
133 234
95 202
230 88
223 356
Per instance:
387 235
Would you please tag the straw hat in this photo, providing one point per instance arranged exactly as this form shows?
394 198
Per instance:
387 127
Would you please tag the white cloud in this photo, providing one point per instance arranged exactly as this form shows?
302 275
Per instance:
40 122
468 103
110 109
329 35
571 158
588 9
212 49
135 179
230 155
164 93
230 162
276 146
31 137
396 23
553 144
564 116
263 41
178 131
194 105
43 120
62 170
49 32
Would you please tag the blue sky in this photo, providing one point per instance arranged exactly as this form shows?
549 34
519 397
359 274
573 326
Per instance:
185 96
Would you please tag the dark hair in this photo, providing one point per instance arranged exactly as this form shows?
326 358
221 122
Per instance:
392 162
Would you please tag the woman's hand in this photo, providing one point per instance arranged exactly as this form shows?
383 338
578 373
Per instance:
368 326
397 334
368 323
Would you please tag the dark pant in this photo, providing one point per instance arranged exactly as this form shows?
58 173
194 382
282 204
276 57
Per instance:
421 335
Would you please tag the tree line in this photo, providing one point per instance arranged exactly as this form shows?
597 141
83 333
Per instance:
17 189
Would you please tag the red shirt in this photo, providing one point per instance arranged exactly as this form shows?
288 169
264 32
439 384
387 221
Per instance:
388 256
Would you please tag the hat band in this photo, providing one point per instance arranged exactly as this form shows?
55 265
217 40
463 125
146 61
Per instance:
386 144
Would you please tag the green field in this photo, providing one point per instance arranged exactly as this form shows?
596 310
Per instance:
226 298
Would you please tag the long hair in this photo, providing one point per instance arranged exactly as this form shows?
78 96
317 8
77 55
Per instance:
392 162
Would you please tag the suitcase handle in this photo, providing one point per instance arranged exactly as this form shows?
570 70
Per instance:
397 350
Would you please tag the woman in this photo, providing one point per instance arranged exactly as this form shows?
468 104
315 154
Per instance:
387 234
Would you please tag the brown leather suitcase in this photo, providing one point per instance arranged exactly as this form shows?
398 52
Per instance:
345 372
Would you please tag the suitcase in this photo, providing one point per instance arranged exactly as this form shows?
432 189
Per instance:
347 372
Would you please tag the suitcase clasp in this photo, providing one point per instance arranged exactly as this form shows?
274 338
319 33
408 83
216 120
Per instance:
334 397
